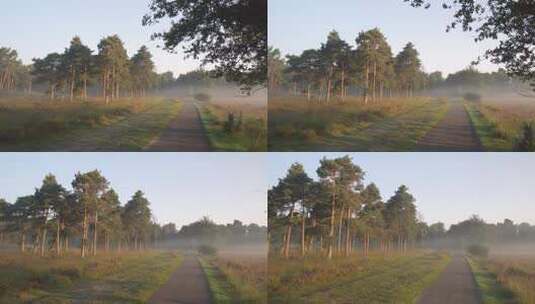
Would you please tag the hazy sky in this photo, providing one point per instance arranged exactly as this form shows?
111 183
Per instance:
36 27
182 187
449 187
302 24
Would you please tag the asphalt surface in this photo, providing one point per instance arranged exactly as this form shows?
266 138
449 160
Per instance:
187 285
454 133
185 133
456 285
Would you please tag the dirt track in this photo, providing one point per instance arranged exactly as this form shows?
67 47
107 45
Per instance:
456 285
454 133
185 133
187 285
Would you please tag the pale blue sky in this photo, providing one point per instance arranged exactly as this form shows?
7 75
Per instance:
302 24
182 187
449 187
36 27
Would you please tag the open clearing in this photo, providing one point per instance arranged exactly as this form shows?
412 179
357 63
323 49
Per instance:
392 125
377 279
111 278
49 126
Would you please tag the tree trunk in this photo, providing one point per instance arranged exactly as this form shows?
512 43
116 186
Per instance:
22 242
95 237
58 249
84 234
288 234
374 90
73 73
303 219
331 230
367 83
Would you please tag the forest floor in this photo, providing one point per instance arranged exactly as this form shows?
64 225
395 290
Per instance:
188 284
454 133
107 278
376 279
78 126
456 284
389 125
185 133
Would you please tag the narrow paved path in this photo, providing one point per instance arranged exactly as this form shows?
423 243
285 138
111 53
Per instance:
454 133
187 285
456 285
185 133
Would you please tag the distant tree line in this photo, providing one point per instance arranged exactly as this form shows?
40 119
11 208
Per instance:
90 216
476 231
369 69
338 213
207 231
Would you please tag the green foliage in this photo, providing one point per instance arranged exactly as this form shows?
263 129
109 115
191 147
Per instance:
508 21
238 28
478 250
207 250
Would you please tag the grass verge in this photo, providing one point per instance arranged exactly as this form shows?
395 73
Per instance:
493 137
249 136
221 289
236 279
378 279
491 290
112 278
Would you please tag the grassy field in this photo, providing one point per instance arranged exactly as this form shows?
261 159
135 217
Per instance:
378 279
389 125
499 123
249 135
236 278
124 125
112 278
506 279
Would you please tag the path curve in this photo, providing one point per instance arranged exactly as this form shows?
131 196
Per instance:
456 285
187 285
184 134
454 133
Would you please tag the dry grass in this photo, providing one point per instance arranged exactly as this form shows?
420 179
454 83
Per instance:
23 119
376 279
499 122
247 273
517 274
107 278
296 124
